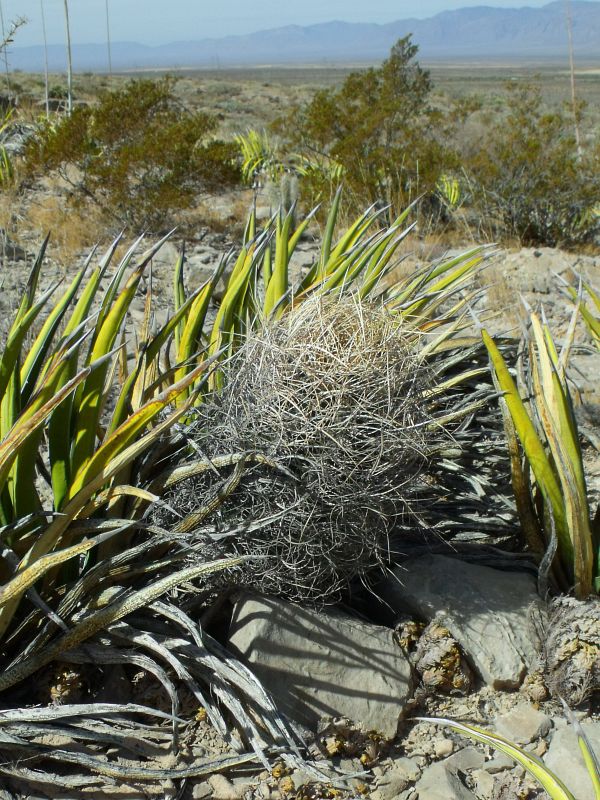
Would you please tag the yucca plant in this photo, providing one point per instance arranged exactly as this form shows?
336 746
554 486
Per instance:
95 419
534 765
259 155
550 485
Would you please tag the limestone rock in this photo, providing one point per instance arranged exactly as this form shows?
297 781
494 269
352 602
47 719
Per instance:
438 783
523 724
486 610
321 663
467 758
565 759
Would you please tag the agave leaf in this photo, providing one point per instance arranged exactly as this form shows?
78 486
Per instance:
592 322
90 401
114 493
9 361
55 530
130 429
84 304
116 610
25 578
110 293
296 236
520 482
278 285
349 239
24 427
178 292
556 413
534 449
32 282
38 351
453 274
380 261
329 231
232 303
194 323
591 763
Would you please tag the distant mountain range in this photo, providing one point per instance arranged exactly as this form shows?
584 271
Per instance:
482 32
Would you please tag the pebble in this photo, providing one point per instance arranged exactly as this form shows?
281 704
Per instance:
223 789
408 767
465 759
484 784
523 724
443 747
200 791
438 783
499 763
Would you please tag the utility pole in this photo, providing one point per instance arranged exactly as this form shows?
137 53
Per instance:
5 53
69 62
108 40
46 88
569 18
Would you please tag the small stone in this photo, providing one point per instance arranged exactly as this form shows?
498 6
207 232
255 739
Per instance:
407 767
286 785
523 724
350 765
299 777
391 785
223 789
438 783
465 759
499 763
541 748
484 784
440 663
201 791
443 747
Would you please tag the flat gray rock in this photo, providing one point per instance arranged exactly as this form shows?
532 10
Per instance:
321 663
486 610
439 783
523 724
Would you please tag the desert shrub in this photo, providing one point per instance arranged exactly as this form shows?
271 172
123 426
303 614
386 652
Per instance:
379 126
526 178
138 154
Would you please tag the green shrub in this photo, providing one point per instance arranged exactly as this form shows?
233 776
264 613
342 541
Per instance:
379 127
137 153
527 179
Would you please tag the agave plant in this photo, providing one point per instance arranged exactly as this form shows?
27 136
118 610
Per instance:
540 416
94 419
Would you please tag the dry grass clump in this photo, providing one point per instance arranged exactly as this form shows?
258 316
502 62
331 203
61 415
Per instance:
333 397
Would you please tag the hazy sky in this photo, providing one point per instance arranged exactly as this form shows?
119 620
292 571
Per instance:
157 21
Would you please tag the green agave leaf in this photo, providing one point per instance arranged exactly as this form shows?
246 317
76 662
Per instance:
532 445
131 429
